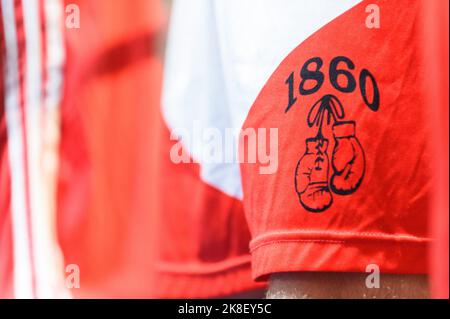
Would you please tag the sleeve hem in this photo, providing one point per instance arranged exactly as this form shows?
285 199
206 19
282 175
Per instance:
392 254
204 284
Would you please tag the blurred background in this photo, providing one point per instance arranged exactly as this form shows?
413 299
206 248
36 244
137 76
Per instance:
110 133
104 163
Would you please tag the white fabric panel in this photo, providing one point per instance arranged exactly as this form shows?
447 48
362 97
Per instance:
33 111
51 278
37 258
23 271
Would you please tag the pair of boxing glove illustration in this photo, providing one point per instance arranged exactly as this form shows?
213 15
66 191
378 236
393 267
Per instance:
312 182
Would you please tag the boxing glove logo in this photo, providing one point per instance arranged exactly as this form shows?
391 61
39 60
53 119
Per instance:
312 182
348 159
317 179
311 176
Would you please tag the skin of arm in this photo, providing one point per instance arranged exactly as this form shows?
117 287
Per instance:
345 286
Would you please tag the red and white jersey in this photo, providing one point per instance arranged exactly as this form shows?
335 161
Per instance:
342 83
110 72
219 55
32 62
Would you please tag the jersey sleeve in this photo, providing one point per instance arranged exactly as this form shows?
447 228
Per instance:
344 123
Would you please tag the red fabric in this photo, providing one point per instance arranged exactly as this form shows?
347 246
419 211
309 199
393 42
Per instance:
435 53
6 247
202 234
359 194
106 196
121 199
